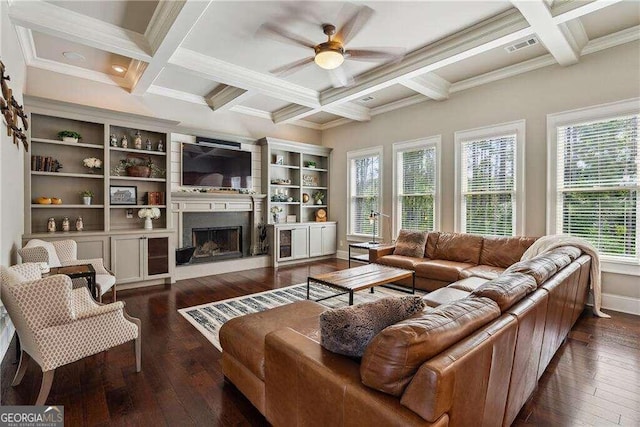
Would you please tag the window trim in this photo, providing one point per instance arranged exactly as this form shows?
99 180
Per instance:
358 154
519 128
563 118
398 147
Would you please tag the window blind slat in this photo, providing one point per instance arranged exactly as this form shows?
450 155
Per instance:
365 193
597 183
416 186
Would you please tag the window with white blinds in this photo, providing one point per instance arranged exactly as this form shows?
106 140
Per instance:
416 184
365 186
489 163
596 180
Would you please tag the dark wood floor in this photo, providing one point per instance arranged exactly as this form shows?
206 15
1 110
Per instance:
593 380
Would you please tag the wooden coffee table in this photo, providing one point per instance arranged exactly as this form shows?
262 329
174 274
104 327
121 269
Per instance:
359 278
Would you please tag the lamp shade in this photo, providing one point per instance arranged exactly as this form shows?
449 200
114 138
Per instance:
329 59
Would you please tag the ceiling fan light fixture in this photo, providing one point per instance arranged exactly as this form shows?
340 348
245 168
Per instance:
329 59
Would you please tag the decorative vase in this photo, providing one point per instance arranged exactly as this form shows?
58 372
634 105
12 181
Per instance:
113 140
124 142
275 218
79 224
86 200
148 225
65 224
137 141
69 139
51 225
148 145
319 202
160 146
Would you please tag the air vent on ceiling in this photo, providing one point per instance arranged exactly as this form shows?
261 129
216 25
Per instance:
521 45
367 99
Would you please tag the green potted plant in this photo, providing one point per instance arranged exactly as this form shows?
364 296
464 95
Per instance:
310 164
318 197
69 136
86 195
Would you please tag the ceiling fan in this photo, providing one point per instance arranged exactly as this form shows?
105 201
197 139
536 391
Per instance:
331 54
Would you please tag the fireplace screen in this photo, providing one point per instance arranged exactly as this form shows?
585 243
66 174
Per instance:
217 242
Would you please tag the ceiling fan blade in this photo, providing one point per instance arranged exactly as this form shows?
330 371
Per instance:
386 54
291 68
340 78
281 35
354 24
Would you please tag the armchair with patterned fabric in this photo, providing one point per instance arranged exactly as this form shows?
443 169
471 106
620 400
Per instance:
64 253
58 325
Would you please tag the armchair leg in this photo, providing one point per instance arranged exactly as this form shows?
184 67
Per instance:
47 380
138 348
22 368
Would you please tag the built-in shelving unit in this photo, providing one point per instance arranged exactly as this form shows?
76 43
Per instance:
287 178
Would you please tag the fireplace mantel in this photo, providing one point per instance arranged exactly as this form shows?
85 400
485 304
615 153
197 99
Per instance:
216 202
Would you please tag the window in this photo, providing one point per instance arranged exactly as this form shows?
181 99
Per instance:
416 184
365 189
593 172
490 180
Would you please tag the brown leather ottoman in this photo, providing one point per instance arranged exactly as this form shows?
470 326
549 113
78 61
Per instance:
242 342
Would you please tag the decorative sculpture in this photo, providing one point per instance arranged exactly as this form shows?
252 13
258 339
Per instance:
11 110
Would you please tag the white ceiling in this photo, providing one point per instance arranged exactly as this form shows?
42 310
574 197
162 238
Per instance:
211 52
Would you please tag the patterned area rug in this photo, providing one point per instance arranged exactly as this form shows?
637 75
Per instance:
208 318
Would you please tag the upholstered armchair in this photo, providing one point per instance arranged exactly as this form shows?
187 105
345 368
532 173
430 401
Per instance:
63 253
57 324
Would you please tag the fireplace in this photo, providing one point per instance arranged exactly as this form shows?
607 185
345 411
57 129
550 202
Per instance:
214 243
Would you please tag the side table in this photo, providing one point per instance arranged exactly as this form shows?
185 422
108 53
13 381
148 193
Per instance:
364 258
77 271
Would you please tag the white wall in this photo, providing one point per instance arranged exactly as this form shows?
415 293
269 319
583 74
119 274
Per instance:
11 165
599 78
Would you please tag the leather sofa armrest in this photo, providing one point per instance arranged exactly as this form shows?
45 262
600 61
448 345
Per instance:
313 386
380 251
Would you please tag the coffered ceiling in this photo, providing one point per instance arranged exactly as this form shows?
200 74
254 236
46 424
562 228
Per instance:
213 53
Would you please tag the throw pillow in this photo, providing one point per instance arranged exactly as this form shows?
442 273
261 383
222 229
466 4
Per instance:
411 243
349 330
54 261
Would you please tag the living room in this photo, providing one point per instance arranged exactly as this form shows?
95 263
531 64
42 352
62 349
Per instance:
442 117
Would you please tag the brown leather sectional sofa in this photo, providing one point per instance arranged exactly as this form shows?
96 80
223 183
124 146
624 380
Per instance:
452 256
474 360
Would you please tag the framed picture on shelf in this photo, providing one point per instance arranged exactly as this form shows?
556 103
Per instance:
123 195
309 180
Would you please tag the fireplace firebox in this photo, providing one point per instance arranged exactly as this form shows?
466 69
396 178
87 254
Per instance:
214 243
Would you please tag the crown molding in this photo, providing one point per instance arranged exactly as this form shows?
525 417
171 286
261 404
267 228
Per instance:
170 25
227 97
74 71
60 22
557 40
27 45
176 94
612 40
430 85
233 75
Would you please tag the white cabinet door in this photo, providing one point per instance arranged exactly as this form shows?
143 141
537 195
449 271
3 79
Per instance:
300 242
127 258
329 246
315 240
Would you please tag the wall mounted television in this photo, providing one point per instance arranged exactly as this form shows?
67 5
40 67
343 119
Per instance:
209 165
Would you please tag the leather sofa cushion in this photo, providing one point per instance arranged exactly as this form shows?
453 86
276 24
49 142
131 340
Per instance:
444 296
540 268
411 243
561 260
396 353
432 240
573 252
503 251
458 247
399 261
488 272
243 337
438 269
507 289
348 330
469 284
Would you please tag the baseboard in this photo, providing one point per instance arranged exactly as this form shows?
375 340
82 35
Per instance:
5 338
621 303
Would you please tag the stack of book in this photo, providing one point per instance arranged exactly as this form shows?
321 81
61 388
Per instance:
44 164
155 198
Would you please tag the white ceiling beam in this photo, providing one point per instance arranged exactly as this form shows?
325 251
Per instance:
170 25
292 113
226 98
351 111
566 11
59 22
430 85
556 38
234 75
